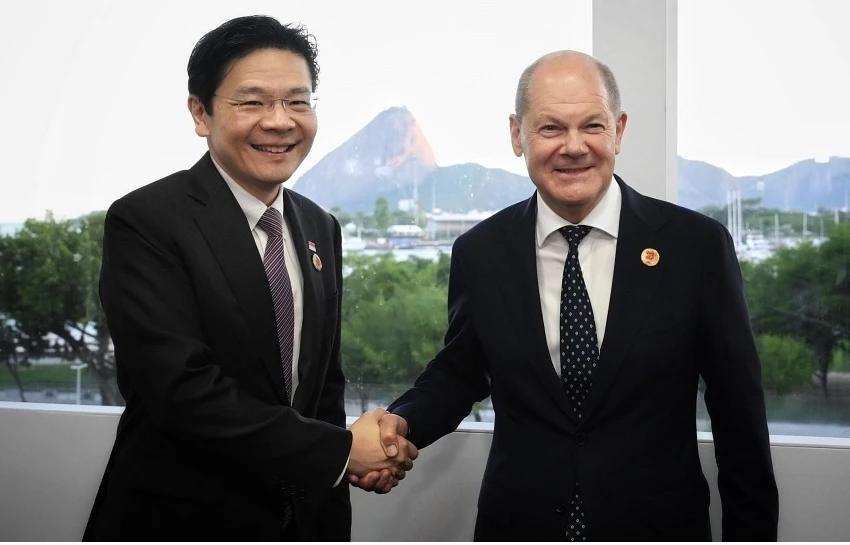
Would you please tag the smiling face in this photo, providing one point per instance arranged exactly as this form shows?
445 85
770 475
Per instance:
568 134
259 153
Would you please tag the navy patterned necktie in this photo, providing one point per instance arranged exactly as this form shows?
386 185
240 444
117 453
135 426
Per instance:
579 351
281 290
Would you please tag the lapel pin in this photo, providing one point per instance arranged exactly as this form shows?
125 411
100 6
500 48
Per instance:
317 262
311 245
650 257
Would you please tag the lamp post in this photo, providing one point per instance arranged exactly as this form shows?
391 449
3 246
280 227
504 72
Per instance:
79 368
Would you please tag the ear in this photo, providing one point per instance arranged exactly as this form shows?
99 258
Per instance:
199 116
621 128
516 134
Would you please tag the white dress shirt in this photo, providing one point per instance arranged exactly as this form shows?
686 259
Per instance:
596 254
254 209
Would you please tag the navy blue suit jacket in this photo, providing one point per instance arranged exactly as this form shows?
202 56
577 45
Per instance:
634 454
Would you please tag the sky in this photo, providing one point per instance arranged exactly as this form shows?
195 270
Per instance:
94 92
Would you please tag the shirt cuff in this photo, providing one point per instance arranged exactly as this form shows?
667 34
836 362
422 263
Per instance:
341 475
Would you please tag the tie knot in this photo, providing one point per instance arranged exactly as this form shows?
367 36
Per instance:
271 222
575 233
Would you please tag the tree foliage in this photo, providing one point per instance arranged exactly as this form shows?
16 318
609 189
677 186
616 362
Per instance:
383 215
48 282
394 314
803 292
393 319
787 363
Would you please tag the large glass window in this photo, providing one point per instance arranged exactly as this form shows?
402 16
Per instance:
413 149
761 137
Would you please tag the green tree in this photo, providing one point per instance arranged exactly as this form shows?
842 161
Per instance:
393 322
51 271
803 292
11 352
383 216
402 217
787 363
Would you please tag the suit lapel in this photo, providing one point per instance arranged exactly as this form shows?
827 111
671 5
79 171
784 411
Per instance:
225 229
633 289
522 297
303 229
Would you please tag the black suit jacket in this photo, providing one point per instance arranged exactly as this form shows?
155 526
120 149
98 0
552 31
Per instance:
634 454
208 447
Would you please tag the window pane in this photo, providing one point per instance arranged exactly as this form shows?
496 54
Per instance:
761 118
413 149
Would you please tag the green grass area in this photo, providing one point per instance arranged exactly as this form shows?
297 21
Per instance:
46 376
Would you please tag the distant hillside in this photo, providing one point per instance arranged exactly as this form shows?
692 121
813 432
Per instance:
460 188
390 155
804 186
384 158
387 156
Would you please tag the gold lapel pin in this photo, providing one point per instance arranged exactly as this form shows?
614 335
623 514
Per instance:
650 257
317 262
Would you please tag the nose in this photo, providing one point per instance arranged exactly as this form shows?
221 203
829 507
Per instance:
278 118
574 144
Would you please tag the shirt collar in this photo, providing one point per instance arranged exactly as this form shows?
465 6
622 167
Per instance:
253 207
605 216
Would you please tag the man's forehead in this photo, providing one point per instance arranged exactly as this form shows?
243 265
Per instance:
586 101
263 62
567 79
568 88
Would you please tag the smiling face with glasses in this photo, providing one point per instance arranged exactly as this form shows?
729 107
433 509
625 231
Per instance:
261 121
255 104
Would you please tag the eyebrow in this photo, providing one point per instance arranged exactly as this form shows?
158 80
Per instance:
250 91
299 90
550 117
596 117
260 91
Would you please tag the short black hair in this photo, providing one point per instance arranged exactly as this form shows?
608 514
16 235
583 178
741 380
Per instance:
214 53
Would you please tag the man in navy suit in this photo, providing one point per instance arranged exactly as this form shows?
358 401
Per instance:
222 291
588 313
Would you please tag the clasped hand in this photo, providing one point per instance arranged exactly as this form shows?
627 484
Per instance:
380 454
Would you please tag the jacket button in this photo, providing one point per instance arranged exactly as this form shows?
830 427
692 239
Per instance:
560 509
302 494
581 438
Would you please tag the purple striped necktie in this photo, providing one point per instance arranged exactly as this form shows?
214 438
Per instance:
281 290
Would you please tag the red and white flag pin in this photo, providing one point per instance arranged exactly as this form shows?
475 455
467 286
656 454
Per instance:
311 245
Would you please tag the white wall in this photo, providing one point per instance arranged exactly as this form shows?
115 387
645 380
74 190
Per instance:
50 470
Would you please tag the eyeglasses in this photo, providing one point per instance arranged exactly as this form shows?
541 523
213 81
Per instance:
261 105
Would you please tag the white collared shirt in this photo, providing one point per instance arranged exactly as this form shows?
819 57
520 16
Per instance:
254 209
596 254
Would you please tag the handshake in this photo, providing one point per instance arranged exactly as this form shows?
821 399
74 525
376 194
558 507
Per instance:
380 454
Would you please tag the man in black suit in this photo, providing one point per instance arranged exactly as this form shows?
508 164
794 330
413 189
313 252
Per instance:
222 293
588 314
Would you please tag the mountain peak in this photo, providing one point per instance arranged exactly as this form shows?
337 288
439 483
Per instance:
389 155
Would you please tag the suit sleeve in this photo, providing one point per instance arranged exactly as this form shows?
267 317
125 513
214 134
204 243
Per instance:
734 397
456 378
154 320
335 512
